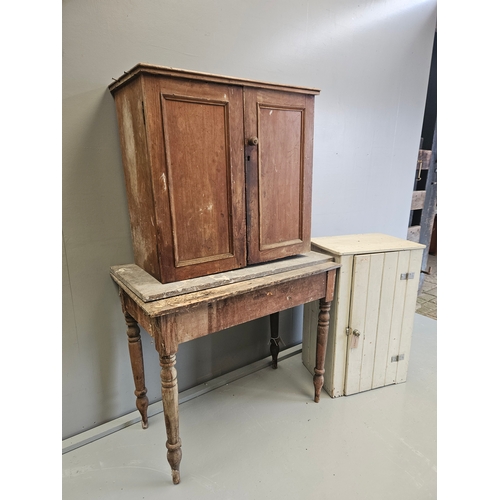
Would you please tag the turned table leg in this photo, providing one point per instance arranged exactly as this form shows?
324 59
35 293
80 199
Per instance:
170 398
275 339
136 360
319 370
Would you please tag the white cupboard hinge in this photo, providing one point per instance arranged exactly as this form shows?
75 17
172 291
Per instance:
397 358
407 276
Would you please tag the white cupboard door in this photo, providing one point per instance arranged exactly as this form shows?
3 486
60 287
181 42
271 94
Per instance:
382 308
365 301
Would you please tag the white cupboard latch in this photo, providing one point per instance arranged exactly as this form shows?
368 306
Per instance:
355 337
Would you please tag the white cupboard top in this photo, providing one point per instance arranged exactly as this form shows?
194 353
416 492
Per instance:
354 244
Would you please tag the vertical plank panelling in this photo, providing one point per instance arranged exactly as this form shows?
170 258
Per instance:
335 374
397 317
408 313
369 335
361 272
385 318
372 298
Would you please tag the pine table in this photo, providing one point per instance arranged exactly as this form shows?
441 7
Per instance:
177 312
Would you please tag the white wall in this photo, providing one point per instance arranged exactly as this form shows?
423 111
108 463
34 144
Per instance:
371 60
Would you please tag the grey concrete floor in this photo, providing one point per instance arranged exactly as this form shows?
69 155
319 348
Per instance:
262 437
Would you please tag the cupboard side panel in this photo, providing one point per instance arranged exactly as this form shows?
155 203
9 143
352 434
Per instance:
129 103
337 340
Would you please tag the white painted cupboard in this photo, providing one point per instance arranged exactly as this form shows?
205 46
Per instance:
372 312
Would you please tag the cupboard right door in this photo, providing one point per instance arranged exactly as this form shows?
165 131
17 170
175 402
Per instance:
383 295
278 156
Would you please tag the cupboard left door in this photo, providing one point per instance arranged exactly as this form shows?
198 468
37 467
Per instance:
197 160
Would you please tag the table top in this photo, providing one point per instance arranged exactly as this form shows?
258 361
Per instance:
149 289
173 297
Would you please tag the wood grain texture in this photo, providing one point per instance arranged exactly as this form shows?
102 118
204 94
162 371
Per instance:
179 302
136 164
417 200
198 175
148 289
185 317
424 159
196 135
278 173
185 144
170 398
310 321
136 360
202 317
414 233
151 69
322 339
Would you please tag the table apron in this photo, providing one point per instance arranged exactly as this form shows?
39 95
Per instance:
199 320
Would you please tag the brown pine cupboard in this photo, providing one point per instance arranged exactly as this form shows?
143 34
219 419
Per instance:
218 169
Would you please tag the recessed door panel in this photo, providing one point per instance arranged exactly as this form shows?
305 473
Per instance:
198 176
278 173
